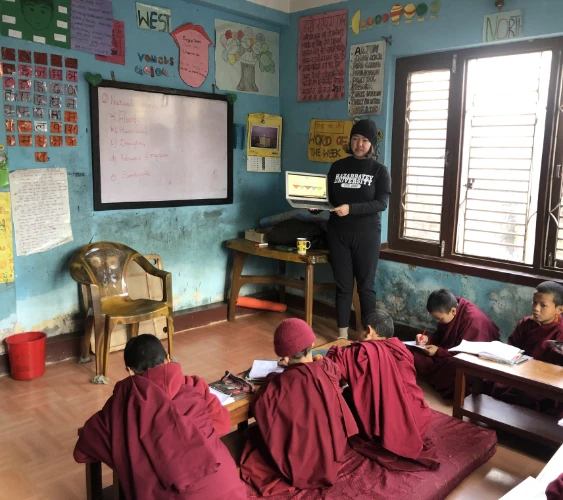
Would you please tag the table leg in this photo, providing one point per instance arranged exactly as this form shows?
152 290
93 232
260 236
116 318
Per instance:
357 310
240 258
242 426
309 282
94 481
282 287
459 395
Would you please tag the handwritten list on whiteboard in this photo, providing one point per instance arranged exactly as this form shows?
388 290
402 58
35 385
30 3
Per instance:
322 56
40 209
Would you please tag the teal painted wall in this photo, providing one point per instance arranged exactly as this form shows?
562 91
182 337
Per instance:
189 239
403 290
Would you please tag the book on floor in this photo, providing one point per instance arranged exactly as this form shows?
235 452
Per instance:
493 351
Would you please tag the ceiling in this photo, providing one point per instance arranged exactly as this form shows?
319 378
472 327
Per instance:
289 6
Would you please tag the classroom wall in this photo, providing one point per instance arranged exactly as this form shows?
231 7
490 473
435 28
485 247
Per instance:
189 239
403 289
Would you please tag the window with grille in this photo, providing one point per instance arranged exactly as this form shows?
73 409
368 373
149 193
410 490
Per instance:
474 163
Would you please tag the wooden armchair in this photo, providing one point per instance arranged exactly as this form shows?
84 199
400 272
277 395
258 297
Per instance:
100 268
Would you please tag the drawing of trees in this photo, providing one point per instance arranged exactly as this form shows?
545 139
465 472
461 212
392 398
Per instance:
250 50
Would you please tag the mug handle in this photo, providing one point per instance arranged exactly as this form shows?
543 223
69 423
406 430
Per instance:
308 243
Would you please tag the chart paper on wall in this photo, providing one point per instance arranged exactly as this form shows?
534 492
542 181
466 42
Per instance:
6 245
365 78
40 209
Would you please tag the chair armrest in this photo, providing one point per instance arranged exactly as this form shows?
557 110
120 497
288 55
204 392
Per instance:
165 276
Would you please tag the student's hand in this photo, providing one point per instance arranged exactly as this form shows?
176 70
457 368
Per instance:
431 350
558 348
283 363
342 210
422 339
317 357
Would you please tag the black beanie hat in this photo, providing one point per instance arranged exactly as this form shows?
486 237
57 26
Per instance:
367 128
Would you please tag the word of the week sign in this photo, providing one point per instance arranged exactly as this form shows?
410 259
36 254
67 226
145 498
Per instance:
327 139
503 26
153 18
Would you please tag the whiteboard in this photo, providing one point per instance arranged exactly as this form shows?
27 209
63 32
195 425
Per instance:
158 147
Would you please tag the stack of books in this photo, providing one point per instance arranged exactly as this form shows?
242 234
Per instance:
493 351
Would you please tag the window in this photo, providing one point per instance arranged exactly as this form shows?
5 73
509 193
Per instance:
475 135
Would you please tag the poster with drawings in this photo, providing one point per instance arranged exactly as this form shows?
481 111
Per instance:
365 78
246 58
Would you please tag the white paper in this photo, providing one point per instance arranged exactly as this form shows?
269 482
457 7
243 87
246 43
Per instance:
495 348
40 209
552 470
529 489
225 399
247 58
413 343
365 78
261 368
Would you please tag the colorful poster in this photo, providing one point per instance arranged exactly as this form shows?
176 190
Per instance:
365 78
327 139
503 26
322 56
193 63
40 209
6 245
153 18
246 58
91 26
41 21
117 45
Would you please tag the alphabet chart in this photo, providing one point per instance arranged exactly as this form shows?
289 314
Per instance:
40 100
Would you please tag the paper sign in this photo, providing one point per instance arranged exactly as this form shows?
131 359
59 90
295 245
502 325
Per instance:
153 18
503 26
365 78
264 135
91 26
6 245
194 46
247 58
117 45
44 21
327 139
322 56
40 209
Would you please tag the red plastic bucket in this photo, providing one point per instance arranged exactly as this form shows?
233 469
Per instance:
26 352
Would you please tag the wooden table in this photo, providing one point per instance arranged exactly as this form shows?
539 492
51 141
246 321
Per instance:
243 248
239 414
534 377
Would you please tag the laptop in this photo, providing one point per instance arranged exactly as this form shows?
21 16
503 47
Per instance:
307 190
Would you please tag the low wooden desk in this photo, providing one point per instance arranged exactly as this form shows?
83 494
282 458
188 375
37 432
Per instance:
239 414
243 248
534 377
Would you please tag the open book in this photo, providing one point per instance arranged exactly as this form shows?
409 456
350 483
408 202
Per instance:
225 399
495 351
261 368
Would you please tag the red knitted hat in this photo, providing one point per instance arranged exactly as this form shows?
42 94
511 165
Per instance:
292 336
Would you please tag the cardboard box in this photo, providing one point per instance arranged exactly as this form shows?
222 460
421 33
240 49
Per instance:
256 235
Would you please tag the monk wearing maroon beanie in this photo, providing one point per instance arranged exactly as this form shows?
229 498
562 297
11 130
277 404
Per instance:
303 421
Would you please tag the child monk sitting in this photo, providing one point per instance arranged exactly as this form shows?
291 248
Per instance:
389 407
458 319
531 335
303 421
156 432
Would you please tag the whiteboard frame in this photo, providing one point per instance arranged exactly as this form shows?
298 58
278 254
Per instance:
95 122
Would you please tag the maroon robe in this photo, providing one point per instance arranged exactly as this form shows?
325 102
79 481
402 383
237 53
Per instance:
302 432
388 404
156 433
532 338
554 490
469 323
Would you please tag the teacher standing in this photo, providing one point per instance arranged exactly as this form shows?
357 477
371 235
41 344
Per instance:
359 188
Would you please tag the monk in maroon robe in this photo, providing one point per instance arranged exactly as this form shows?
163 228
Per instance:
389 407
303 421
458 319
554 490
532 335
155 431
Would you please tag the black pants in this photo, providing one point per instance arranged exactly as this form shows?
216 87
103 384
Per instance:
354 254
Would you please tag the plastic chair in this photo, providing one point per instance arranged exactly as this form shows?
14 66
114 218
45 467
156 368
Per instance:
100 268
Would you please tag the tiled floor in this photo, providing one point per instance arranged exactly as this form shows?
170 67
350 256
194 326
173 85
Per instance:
39 418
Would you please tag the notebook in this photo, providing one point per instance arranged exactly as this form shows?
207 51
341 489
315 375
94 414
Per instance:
225 399
412 343
494 351
261 368
307 190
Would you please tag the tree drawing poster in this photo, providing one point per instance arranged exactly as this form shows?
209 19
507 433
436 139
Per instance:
40 21
246 58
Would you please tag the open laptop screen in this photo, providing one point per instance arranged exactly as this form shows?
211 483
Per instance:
306 186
